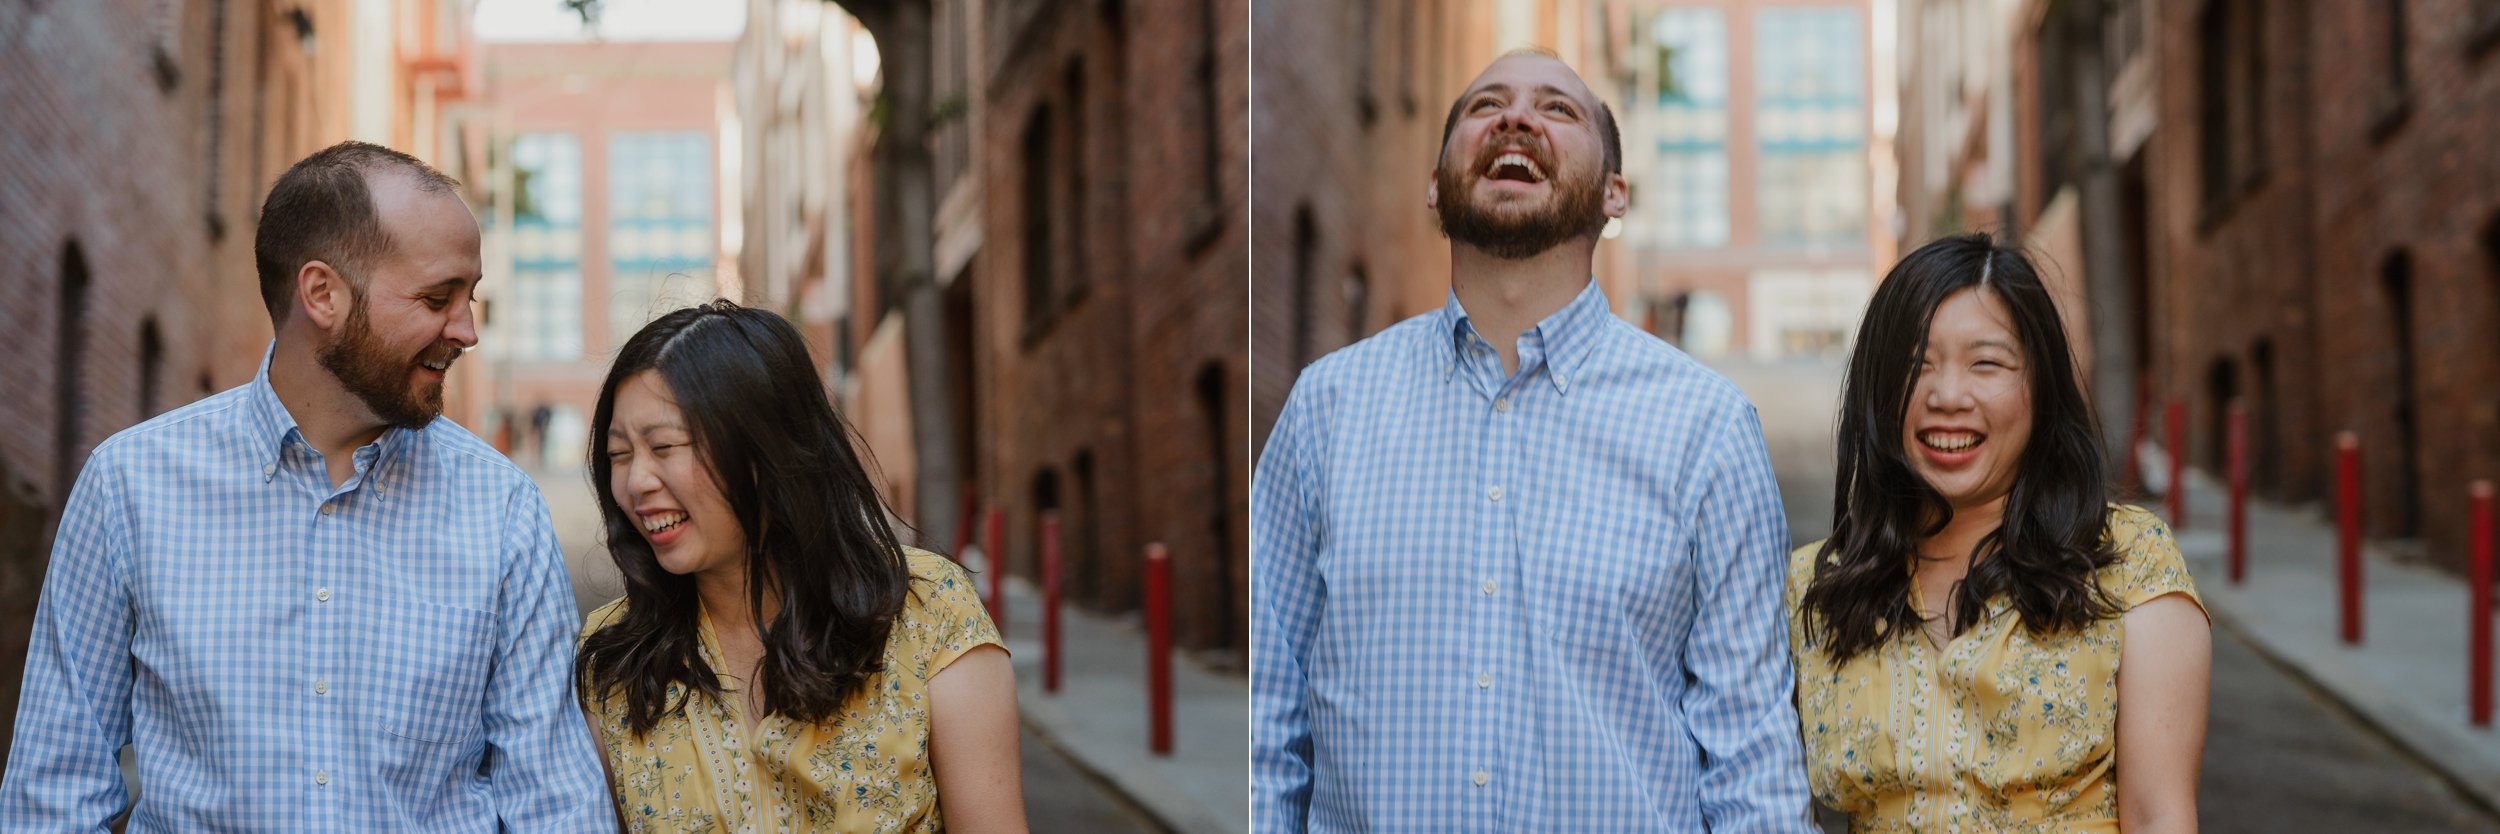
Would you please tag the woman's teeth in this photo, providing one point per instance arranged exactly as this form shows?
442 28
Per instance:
663 523
1950 441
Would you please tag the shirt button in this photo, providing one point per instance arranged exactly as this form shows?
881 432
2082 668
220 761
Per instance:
267 470
1484 681
1502 404
321 594
321 687
1494 493
1480 778
322 777
326 507
1488 587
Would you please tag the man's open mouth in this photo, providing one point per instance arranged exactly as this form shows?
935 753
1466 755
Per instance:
1514 166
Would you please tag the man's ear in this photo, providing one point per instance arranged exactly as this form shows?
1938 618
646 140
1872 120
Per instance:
1618 195
1432 190
323 294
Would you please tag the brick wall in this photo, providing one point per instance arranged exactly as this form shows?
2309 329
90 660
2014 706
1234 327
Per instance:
1098 395
2298 259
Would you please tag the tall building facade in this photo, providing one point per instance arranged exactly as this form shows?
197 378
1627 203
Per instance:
1752 141
604 211
1088 244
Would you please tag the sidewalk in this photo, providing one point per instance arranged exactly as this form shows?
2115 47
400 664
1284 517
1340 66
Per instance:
1099 716
2408 676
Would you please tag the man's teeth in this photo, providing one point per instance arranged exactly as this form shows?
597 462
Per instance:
1519 159
662 523
444 365
1949 442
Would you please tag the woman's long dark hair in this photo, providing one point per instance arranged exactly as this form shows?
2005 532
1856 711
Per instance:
2043 557
817 534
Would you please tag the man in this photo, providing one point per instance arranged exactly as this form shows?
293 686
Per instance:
307 604
1518 563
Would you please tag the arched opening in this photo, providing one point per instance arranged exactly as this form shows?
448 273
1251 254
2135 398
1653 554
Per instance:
1224 600
69 401
2265 440
151 367
1305 280
2396 283
2222 386
1080 534
1045 499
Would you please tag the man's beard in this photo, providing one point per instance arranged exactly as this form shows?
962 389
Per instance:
378 378
1578 209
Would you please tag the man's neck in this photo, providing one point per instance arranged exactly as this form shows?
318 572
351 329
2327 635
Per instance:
1505 297
332 420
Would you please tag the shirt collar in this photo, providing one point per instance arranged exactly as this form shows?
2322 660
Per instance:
1568 334
273 426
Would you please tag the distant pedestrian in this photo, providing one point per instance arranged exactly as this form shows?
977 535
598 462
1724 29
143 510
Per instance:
539 418
1959 638
779 662
309 603
1517 563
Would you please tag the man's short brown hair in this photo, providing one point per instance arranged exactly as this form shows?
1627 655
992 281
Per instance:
322 210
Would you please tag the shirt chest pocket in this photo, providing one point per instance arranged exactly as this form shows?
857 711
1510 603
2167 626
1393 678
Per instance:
425 670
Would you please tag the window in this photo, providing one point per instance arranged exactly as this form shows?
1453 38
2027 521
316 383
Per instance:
542 318
660 243
1689 177
1038 292
1809 121
2231 73
1080 267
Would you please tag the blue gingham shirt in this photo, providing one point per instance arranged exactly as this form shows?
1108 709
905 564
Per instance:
394 654
1546 602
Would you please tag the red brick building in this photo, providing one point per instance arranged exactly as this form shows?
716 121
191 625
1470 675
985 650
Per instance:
1106 298
2320 219
136 143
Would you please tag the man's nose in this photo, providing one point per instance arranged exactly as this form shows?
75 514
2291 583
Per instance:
462 329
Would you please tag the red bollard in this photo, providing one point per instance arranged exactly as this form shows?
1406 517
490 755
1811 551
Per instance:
2478 631
1050 602
990 549
2348 534
2175 442
963 522
1159 649
2238 450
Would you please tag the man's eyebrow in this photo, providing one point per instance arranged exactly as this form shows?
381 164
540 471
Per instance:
451 283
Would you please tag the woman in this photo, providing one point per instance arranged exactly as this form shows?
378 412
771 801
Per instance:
1959 638
779 661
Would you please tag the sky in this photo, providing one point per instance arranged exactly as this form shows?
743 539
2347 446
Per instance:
622 20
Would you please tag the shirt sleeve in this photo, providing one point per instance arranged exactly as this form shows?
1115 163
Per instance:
545 773
73 712
1286 531
1737 703
948 599
2154 567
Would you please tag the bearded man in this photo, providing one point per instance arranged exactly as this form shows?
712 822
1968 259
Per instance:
1517 563
309 603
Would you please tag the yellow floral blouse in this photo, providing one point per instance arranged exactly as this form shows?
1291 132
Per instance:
866 770
2000 733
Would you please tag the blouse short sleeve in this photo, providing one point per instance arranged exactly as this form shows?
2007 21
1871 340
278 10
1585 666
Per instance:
2150 565
953 621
